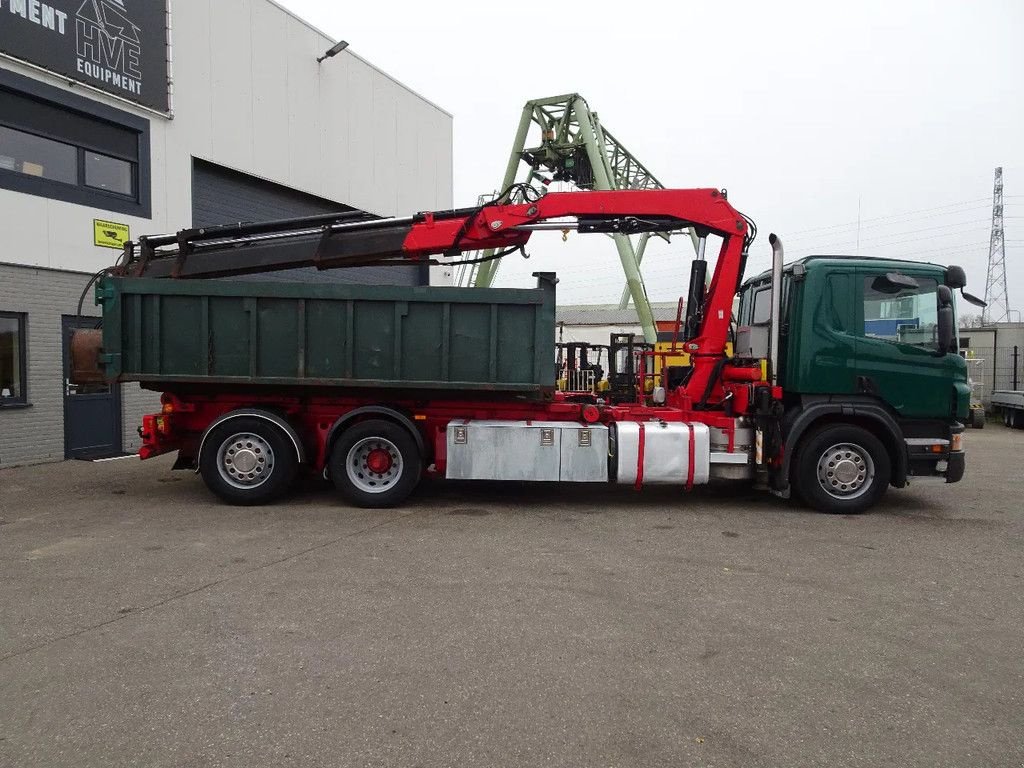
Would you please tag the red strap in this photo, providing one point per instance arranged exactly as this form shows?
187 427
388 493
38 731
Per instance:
640 461
690 460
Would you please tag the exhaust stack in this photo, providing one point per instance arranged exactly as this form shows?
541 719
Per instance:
774 342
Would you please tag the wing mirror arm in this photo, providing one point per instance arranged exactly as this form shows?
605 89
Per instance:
972 299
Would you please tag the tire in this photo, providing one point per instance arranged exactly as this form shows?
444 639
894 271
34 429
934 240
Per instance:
1016 419
1007 418
237 453
391 480
859 456
977 418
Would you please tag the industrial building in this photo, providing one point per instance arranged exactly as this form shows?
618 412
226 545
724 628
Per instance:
995 357
120 118
594 323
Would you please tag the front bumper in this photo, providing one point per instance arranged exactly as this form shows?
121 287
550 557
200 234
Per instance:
938 456
955 467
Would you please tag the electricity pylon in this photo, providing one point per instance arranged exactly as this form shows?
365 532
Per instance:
996 297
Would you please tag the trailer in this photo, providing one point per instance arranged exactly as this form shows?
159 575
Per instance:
378 387
1011 403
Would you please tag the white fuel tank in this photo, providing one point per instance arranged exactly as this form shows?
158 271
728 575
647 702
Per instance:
666 452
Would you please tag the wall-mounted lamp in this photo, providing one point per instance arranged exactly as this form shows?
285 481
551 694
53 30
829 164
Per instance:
338 47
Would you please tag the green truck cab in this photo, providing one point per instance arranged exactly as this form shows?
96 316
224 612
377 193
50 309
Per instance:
875 392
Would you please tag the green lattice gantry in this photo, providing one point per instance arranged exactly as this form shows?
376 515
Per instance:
568 143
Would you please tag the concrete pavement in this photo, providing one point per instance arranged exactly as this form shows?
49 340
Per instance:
143 623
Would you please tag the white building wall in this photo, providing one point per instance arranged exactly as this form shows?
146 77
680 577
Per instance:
594 334
249 95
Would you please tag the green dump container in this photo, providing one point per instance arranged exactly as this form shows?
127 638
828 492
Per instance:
161 332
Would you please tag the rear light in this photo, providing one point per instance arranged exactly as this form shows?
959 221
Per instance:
957 442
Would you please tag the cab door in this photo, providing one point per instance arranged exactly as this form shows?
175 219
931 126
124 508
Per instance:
897 342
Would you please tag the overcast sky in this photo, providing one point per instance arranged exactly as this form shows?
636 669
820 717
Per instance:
802 110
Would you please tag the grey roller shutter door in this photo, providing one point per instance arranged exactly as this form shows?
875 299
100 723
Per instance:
224 196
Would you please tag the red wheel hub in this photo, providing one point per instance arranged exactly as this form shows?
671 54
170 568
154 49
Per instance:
378 461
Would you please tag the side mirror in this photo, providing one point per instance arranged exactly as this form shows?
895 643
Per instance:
894 282
945 330
956 277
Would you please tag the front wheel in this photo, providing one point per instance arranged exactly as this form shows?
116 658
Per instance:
248 461
375 464
841 469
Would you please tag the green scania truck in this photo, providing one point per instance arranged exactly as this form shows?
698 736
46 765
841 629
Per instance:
844 376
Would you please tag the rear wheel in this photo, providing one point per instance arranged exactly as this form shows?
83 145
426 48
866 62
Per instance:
842 469
375 464
248 461
978 418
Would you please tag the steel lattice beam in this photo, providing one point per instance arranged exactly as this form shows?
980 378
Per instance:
571 145
996 297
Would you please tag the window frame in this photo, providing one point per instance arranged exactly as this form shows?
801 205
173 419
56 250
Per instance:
21 318
137 204
133 172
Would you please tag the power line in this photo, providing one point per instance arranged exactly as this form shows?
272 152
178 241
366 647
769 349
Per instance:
900 234
904 214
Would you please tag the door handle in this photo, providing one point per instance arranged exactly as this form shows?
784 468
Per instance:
69 388
866 385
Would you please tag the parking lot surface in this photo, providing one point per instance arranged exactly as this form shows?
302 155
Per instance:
143 623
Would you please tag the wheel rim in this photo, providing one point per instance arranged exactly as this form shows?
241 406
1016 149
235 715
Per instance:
374 465
845 471
245 461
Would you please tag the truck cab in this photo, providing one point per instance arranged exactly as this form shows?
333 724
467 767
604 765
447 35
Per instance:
873 386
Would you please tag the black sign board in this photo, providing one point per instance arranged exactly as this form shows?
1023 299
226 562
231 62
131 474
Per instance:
119 46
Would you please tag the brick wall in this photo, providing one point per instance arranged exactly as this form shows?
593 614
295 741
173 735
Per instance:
36 434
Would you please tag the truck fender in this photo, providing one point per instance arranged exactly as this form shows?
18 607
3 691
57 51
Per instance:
385 411
812 414
257 413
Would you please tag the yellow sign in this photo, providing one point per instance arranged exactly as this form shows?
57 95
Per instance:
110 234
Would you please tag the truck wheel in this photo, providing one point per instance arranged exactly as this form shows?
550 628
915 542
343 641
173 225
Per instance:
248 461
841 469
977 418
375 464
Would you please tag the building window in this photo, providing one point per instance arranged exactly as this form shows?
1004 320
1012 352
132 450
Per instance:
65 147
12 358
35 156
109 173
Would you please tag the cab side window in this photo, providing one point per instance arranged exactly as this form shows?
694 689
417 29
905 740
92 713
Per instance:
761 311
908 316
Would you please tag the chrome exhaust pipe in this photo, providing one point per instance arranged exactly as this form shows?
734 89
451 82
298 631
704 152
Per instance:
774 342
